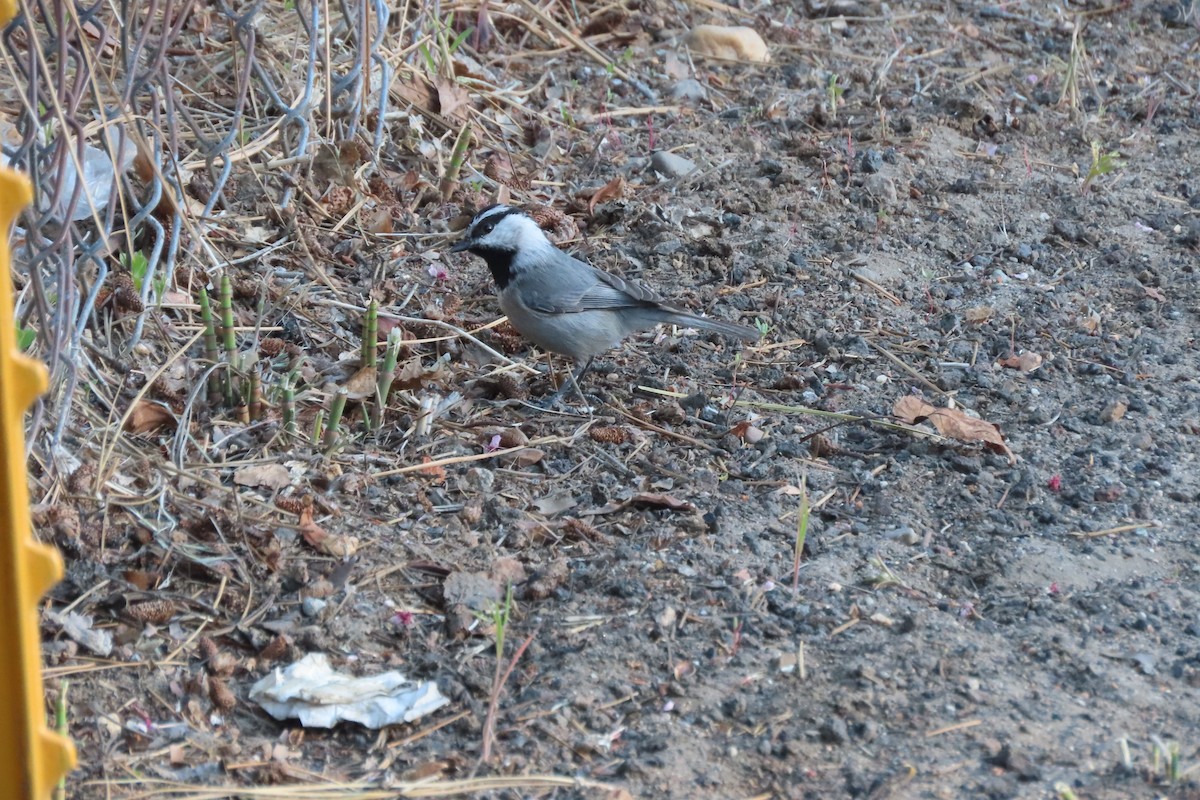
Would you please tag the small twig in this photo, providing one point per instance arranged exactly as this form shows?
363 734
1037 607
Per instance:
1113 531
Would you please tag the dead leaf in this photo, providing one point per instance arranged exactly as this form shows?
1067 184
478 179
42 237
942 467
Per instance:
1155 294
1027 361
653 499
361 384
527 457
410 375
322 540
378 220
471 589
506 571
1114 411
556 503
609 191
436 472
731 43
954 423
271 476
978 315
337 163
148 416
451 97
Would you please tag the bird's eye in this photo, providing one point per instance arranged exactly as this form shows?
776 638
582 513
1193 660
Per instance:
486 228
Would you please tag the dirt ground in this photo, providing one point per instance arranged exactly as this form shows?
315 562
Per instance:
901 200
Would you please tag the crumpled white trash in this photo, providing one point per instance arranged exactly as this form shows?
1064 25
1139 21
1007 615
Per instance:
312 692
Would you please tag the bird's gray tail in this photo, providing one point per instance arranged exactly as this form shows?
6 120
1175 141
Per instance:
727 329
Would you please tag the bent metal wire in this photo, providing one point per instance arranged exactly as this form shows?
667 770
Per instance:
173 83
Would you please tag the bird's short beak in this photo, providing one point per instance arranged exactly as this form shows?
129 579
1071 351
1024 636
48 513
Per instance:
462 244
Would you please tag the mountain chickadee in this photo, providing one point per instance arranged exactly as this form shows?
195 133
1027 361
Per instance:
561 303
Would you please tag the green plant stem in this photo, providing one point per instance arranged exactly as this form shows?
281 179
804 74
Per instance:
335 419
60 726
458 157
289 408
318 427
256 395
801 535
229 337
211 353
383 382
370 336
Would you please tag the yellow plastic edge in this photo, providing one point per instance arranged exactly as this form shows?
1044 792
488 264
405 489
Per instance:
33 758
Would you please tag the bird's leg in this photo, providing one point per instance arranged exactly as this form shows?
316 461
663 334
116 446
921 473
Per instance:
578 376
573 382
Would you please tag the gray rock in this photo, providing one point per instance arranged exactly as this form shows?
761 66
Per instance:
311 606
671 165
882 189
688 89
871 161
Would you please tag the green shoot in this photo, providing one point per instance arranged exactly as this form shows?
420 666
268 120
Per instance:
211 353
1102 164
801 534
318 426
458 157
60 726
25 338
833 95
289 408
885 576
370 336
228 335
137 265
335 419
383 382
430 64
762 326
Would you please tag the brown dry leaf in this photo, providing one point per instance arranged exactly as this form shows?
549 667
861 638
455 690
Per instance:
322 540
436 472
654 499
527 457
980 314
1114 411
474 590
361 384
410 375
451 98
414 89
508 570
337 163
733 43
271 476
609 191
148 416
142 579
378 221
1155 294
661 501
1028 361
954 423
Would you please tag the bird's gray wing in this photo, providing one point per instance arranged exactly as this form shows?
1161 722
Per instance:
581 287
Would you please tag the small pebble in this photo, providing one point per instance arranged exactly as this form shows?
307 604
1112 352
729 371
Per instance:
312 606
671 165
871 161
688 89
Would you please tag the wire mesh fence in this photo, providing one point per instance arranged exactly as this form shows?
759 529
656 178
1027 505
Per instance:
130 119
